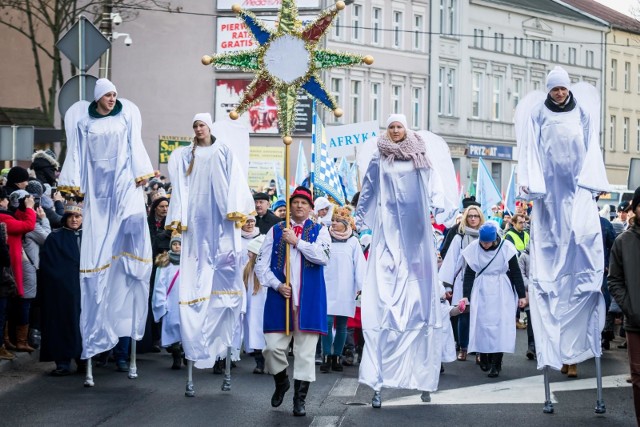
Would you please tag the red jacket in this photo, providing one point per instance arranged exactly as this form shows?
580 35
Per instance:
18 226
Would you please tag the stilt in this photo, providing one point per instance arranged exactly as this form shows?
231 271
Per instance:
88 379
189 390
600 408
133 368
548 405
226 383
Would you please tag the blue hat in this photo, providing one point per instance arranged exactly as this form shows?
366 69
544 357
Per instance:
278 204
488 233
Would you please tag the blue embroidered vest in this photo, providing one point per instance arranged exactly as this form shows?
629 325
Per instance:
312 313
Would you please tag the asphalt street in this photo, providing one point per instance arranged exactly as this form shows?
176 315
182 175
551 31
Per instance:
31 397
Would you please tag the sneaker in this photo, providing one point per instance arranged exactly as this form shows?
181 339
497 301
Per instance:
122 366
318 359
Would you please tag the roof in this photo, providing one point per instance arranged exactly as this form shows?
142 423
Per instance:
616 19
551 7
25 117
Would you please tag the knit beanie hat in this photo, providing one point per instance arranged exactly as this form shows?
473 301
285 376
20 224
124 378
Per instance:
205 118
558 77
176 237
469 201
400 118
255 244
636 199
103 86
35 188
278 204
488 233
16 196
17 174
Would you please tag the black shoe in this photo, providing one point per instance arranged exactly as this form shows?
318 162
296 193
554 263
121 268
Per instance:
301 389
259 369
60 372
218 367
347 359
177 359
493 371
282 385
606 344
325 366
484 362
122 366
335 364
531 352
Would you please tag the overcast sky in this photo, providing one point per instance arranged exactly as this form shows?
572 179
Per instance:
620 5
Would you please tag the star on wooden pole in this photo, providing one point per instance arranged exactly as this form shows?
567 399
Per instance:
287 59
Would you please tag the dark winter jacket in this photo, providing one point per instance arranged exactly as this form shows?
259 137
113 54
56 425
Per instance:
624 276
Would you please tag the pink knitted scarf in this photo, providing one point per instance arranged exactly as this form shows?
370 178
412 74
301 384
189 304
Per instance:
412 147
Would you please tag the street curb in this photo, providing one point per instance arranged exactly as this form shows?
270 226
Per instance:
22 359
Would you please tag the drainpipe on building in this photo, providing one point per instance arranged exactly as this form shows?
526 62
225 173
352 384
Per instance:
106 29
603 118
430 33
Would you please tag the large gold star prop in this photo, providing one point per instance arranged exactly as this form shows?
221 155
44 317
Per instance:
286 60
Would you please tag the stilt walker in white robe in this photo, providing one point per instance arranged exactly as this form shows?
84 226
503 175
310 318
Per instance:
209 202
108 164
400 297
561 169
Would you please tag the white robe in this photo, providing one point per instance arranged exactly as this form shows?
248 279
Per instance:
561 164
343 277
204 205
105 159
165 303
452 268
400 297
253 320
493 301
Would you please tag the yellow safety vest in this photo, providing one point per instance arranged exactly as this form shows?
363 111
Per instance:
517 241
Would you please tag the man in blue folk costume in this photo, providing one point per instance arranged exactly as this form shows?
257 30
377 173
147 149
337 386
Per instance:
309 252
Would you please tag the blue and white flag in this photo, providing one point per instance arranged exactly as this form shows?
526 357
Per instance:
325 176
281 183
510 196
302 168
487 192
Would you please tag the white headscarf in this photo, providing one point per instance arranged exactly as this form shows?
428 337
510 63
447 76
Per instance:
103 86
322 203
205 118
558 77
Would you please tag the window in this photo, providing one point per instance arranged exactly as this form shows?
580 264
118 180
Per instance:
572 55
614 74
518 46
355 100
478 38
627 76
376 37
625 135
496 173
517 91
612 133
554 50
589 58
417 32
397 29
356 16
638 80
337 28
396 99
497 98
448 16
536 84
416 104
638 136
537 49
446 91
498 42
476 94
336 91
375 96
451 77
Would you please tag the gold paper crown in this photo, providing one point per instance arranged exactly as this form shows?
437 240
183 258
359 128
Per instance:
72 207
343 214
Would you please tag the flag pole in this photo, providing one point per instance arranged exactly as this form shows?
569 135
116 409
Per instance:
287 171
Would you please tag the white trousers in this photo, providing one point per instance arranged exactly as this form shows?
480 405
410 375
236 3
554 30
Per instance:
304 351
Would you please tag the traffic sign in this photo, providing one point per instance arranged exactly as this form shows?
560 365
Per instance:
16 142
83 44
70 91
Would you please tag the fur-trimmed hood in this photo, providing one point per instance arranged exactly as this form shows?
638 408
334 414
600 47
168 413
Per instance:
41 154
